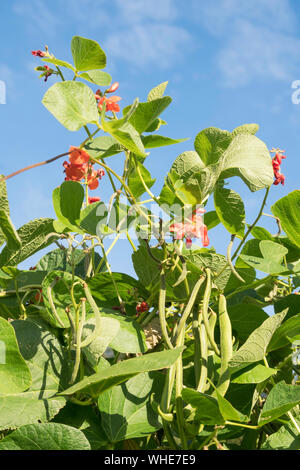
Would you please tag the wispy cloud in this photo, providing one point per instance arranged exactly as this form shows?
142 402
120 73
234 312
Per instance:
258 38
157 44
38 14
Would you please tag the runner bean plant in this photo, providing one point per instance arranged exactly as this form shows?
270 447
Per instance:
181 356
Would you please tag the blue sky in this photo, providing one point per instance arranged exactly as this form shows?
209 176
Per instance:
228 62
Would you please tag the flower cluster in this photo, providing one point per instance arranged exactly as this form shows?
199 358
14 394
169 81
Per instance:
79 167
194 228
39 53
276 162
111 104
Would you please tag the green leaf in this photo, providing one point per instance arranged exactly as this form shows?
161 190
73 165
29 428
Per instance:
255 348
97 383
289 329
34 236
46 360
61 260
157 92
211 143
146 113
248 157
47 436
87 54
130 338
102 147
230 209
154 140
8 230
155 125
284 439
211 219
97 77
254 374
246 129
261 233
125 134
67 202
4 205
126 412
282 398
206 407
109 328
59 63
92 216
15 375
72 103
228 411
287 210
134 180
245 318
271 262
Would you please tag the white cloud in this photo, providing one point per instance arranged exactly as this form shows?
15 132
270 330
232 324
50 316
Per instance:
38 14
257 38
137 11
159 44
220 16
255 52
9 88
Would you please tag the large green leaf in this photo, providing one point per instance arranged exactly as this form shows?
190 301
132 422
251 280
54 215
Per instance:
146 113
287 210
47 362
211 143
67 202
272 258
45 436
245 318
230 209
72 103
102 147
87 54
109 328
253 374
9 232
206 407
60 63
126 412
228 411
98 77
125 134
63 260
255 348
34 236
135 182
15 375
288 330
92 216
97 383
130 338
282 398
284 439
157 92
154 140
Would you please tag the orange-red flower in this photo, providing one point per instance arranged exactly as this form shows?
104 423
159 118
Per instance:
113 88
111 103
78 156
276 162
193 228
94 199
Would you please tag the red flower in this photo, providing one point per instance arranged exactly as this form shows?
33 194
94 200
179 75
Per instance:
194 228
111 103
276 162
78 156
113 88
39 297
38 53
94 199
74 172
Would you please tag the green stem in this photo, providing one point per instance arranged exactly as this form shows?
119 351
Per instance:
161 310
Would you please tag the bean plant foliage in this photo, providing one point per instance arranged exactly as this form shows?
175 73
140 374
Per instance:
183 355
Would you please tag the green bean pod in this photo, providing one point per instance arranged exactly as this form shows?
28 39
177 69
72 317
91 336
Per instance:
225 346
